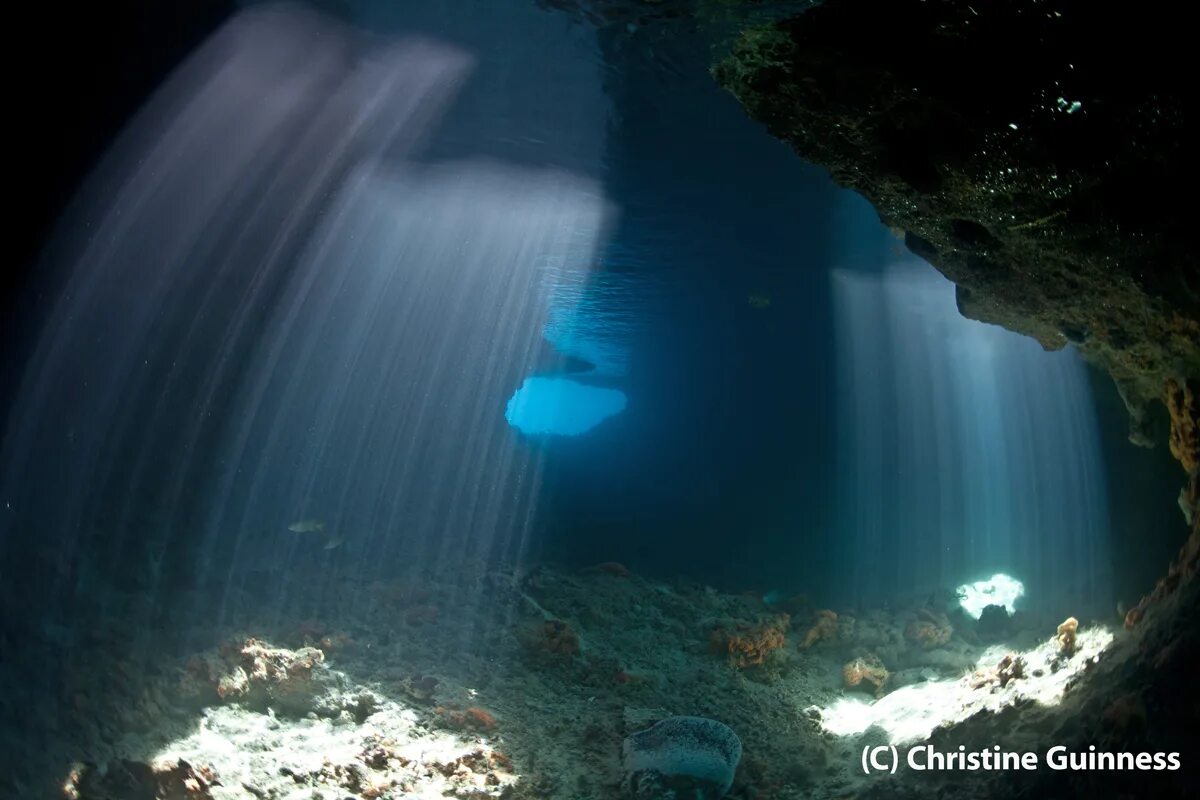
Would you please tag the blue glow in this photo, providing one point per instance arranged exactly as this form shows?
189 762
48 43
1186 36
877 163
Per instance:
560 406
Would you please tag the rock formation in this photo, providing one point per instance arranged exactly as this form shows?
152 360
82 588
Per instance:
1014 152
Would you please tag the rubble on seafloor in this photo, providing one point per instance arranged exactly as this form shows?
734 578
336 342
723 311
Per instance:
526 685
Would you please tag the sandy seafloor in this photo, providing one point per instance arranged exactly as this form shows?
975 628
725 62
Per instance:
525 684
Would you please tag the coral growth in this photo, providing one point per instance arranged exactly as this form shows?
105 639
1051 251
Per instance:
825 627
551 637
931 629
478 718
863 671
749 644
474 718
1066 636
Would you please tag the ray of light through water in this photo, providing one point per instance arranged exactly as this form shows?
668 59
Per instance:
367 327
965 450
278 315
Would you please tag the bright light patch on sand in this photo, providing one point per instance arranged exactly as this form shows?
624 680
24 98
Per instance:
245 747
999 590
561 407
911 713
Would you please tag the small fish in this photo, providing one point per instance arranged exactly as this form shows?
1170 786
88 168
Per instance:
307 526
333 543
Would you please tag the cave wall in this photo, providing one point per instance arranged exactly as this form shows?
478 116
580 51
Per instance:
1034 153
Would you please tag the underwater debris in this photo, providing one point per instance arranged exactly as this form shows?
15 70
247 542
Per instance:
550 637
759 300
1066 636
681 757
307 526
931 629
825 625
866 669
749 644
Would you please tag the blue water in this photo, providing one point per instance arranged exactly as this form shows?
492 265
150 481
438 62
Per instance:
371 291
561 407
351 290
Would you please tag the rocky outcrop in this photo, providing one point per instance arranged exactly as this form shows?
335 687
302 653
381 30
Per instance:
1031 150
1184 407
253 672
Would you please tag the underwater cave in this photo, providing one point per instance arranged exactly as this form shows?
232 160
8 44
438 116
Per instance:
600 399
